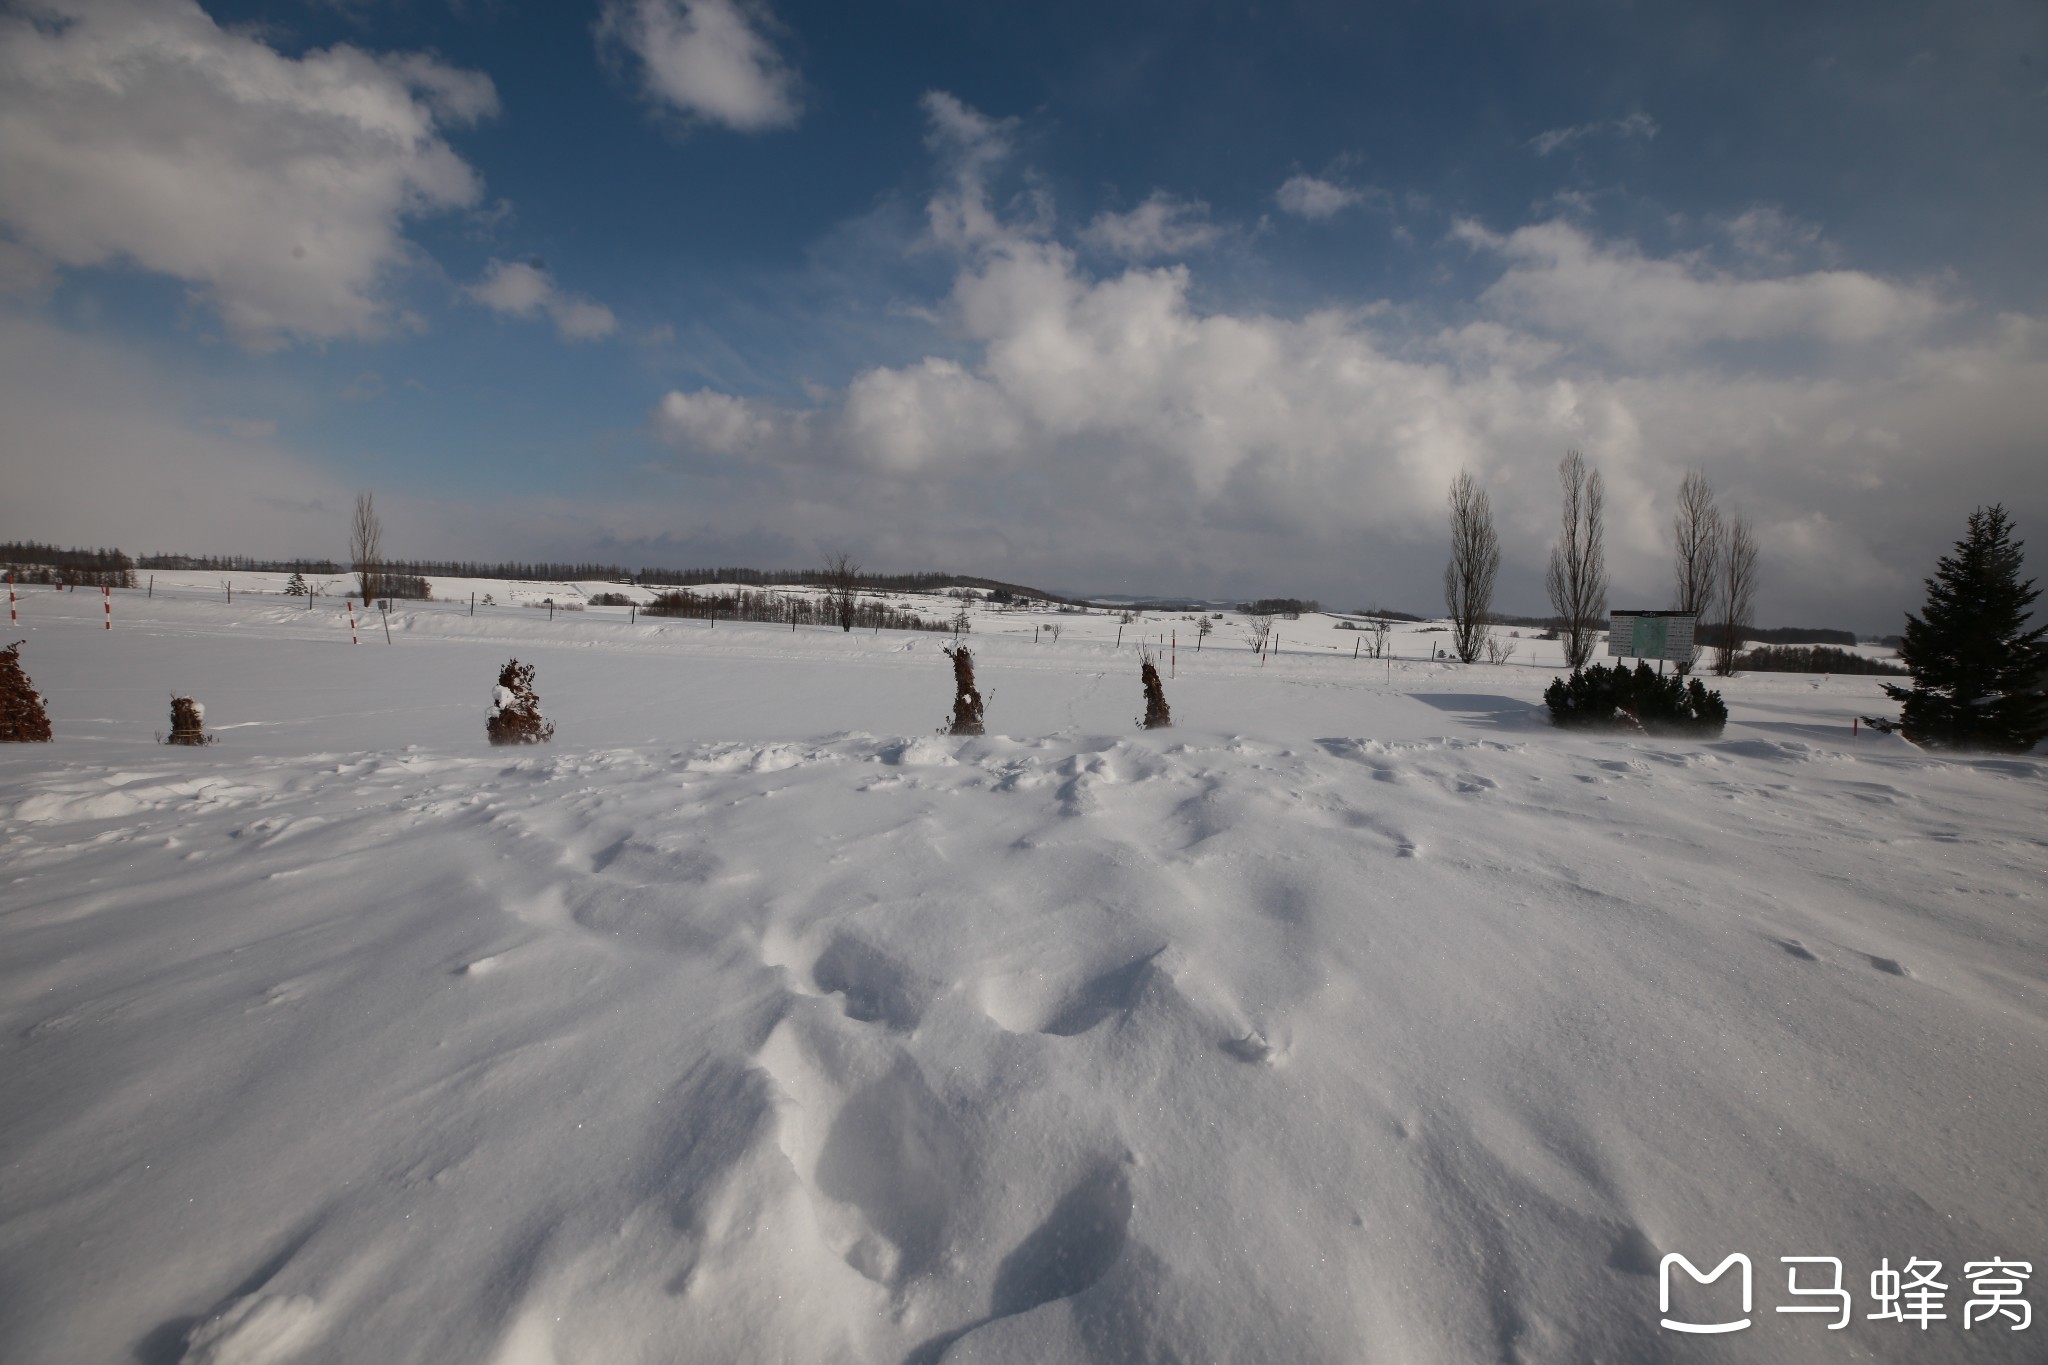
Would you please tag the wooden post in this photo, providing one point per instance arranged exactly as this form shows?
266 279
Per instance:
387 625
472 604
152 585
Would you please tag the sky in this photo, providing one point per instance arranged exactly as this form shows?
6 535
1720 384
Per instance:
1150 298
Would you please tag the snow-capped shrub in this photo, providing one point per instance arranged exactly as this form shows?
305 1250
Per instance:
1157 716
22 718
1615 698
966 699
188 722
515 709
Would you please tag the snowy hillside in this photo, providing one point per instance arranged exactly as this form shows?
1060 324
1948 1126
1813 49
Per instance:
1361 1016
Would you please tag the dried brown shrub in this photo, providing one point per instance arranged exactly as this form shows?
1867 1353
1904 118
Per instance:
515 709
1157 715
188 722
966 700
22 718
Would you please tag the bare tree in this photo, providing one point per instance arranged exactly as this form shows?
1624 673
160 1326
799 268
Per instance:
1577 578
1737 595
1258 628
842 583
1475 564
1697 534
366 545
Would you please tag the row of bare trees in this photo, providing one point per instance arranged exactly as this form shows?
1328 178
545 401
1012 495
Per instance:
1715 571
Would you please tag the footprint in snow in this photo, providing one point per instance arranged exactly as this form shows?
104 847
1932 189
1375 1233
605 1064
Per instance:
1889 965
1797 949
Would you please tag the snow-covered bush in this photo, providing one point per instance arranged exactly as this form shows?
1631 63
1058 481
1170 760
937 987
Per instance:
515 709
188 722
1157 716
1615 698
966 699
22 718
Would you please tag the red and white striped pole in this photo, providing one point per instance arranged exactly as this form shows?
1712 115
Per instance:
351 604
11 617
1174 658
108 594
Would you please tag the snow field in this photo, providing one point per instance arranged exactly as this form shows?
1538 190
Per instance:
1362 1017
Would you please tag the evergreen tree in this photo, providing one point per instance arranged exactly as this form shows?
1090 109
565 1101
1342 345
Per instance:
1977 673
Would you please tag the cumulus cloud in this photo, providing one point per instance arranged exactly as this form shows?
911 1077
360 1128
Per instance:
1628 128
1098 429
523 290
1161 226
1307 196
275 187
707 60
1560 280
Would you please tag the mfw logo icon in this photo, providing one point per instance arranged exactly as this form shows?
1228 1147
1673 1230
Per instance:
1664 1292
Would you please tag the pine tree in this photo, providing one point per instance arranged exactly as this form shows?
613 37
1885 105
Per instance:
1977 673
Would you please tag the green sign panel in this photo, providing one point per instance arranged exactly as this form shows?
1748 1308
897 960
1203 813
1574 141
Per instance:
1651 632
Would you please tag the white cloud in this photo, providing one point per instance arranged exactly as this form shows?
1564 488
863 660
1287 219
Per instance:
274 186
708 60
523 290
1637 125
1767 234
1102 429
1161 226
1559 280
1313 198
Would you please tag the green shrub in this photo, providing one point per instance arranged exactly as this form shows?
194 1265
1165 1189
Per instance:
1615 698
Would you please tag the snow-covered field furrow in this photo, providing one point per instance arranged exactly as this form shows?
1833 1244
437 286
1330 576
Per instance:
1360 1017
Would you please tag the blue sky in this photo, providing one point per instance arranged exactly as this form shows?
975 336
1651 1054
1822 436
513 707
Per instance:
1137 298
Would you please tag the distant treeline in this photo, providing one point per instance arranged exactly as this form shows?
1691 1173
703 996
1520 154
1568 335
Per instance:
868 582
31 561
784 609
1280 606
1801 635
1813 659
522 571
1774 635
240 564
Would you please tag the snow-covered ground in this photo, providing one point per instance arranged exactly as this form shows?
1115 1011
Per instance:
1361 1016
